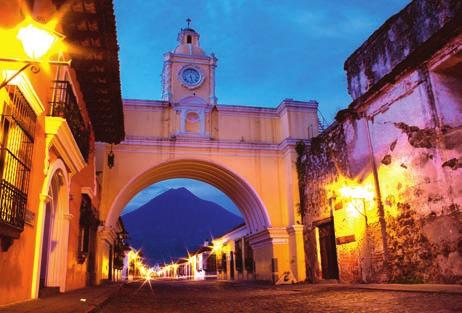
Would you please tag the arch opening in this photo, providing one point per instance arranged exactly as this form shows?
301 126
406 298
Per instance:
174 217
235 187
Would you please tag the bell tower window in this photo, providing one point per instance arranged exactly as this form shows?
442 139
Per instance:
188 39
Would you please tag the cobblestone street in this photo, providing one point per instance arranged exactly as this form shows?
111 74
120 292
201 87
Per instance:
212 296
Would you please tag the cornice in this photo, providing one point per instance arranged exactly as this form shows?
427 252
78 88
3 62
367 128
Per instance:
59 135
189 57
269 237
234 234
107 233
296 106
186 141
294 229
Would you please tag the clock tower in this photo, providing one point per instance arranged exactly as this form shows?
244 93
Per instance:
188 75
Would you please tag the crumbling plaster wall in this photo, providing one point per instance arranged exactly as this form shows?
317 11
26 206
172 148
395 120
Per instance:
399 37
413 130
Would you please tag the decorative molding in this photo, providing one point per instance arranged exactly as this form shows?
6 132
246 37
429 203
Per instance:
107 234
287 145
59 135
186 58
24 84
268 237
225 109
295 229
91 192
166 81
44 198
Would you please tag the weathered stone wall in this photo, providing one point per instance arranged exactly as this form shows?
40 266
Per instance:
324 161
388 174
399 38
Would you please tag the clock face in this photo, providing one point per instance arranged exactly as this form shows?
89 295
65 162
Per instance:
191 77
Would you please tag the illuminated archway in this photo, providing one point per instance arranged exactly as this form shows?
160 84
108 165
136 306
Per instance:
235 187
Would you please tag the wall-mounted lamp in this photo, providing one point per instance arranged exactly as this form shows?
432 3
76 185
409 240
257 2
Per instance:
37 41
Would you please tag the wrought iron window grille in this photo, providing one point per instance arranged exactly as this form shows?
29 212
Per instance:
17 128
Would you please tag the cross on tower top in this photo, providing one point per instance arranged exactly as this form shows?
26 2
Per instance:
188 20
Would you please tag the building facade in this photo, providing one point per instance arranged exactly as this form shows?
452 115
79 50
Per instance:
49 107
227 257
381 186
247 152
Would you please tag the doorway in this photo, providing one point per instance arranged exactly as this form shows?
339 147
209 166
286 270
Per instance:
52 260
49 282
46 245
231 265
328 250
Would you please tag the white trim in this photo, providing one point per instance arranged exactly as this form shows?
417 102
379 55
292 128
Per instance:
88 191
24 84
61 230
59 135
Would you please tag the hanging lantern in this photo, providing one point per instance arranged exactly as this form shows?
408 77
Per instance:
110 159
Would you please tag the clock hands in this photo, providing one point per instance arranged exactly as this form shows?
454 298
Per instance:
191 76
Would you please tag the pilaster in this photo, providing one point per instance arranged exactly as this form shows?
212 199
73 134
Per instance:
297 251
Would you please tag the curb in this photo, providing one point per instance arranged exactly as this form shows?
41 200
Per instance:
443 289
95 307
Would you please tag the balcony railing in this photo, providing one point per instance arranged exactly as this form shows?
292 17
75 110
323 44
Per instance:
65 105
12 206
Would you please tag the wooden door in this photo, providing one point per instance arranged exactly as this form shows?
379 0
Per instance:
328 251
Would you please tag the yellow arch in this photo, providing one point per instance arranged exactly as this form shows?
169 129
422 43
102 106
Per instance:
240 192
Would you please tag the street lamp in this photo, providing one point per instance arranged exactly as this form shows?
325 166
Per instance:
37 42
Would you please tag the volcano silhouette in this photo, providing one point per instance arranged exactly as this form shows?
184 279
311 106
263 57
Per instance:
174 222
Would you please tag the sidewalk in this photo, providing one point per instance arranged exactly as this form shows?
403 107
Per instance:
69 302
433 288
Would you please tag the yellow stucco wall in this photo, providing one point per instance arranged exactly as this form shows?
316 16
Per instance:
255 144
19 265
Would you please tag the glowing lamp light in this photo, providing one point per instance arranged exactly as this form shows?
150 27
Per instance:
217 246
36 41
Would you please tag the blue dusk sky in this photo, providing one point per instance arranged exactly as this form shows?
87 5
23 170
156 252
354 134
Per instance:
200 189
267 50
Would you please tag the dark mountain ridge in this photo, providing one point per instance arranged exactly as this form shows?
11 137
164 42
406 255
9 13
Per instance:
175 221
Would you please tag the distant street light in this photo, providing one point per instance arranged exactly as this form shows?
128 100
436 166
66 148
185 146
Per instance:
37 42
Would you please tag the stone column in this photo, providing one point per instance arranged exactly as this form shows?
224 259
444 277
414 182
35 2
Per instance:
270 246
297 252
105 238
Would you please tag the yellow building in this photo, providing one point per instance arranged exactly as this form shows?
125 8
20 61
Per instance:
52 111
247 152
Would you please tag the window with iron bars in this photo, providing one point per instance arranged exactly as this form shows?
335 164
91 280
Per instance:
17 128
